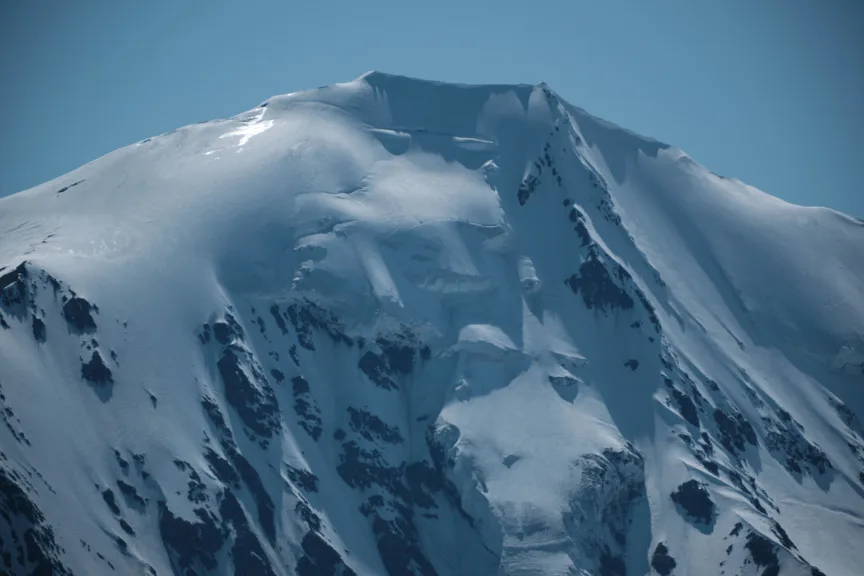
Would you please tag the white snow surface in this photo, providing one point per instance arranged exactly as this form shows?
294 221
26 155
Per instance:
498 331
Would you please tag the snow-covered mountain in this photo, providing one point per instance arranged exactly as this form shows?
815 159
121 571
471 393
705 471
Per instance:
402 327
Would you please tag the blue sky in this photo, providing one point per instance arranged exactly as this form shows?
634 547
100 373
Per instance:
768 91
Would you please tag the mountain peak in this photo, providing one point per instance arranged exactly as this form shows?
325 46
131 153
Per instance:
394 326
379 77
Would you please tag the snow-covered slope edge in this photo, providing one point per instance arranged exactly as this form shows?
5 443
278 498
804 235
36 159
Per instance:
397 326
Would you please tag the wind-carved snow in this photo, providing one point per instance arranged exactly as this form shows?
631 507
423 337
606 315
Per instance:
528 275
480 338
423 328
848 360
250 126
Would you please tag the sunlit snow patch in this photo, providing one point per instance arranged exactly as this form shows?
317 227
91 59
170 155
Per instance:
253 126
484 340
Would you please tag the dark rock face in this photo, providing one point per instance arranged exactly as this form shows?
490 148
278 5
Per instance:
736 529
255 404
96 371
108 497
204 334
13 424
38 329
734 431
13 276
247 552
305 407
855 433
122 462
661 561
597 287
781 535
65 188
847 416
786 442
362 469
721 423
703 452
263 502
131 494
126 527
612 565
302 478
612 484
399 354
226 331
305 513
222 469
763 553
246 387
215 416
685 405
399 547
579 220
529 184
607 208
13 286
748 486
223 332
76 311
394 494
237 467
400 351
649 309
320 559
527 188
373 428
277 315
694 499
307 316
192 546
375 368
32 548
236 329
423 481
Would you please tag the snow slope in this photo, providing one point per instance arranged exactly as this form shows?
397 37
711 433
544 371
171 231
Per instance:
394 326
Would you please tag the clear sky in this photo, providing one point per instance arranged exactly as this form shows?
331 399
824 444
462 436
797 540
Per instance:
768 91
